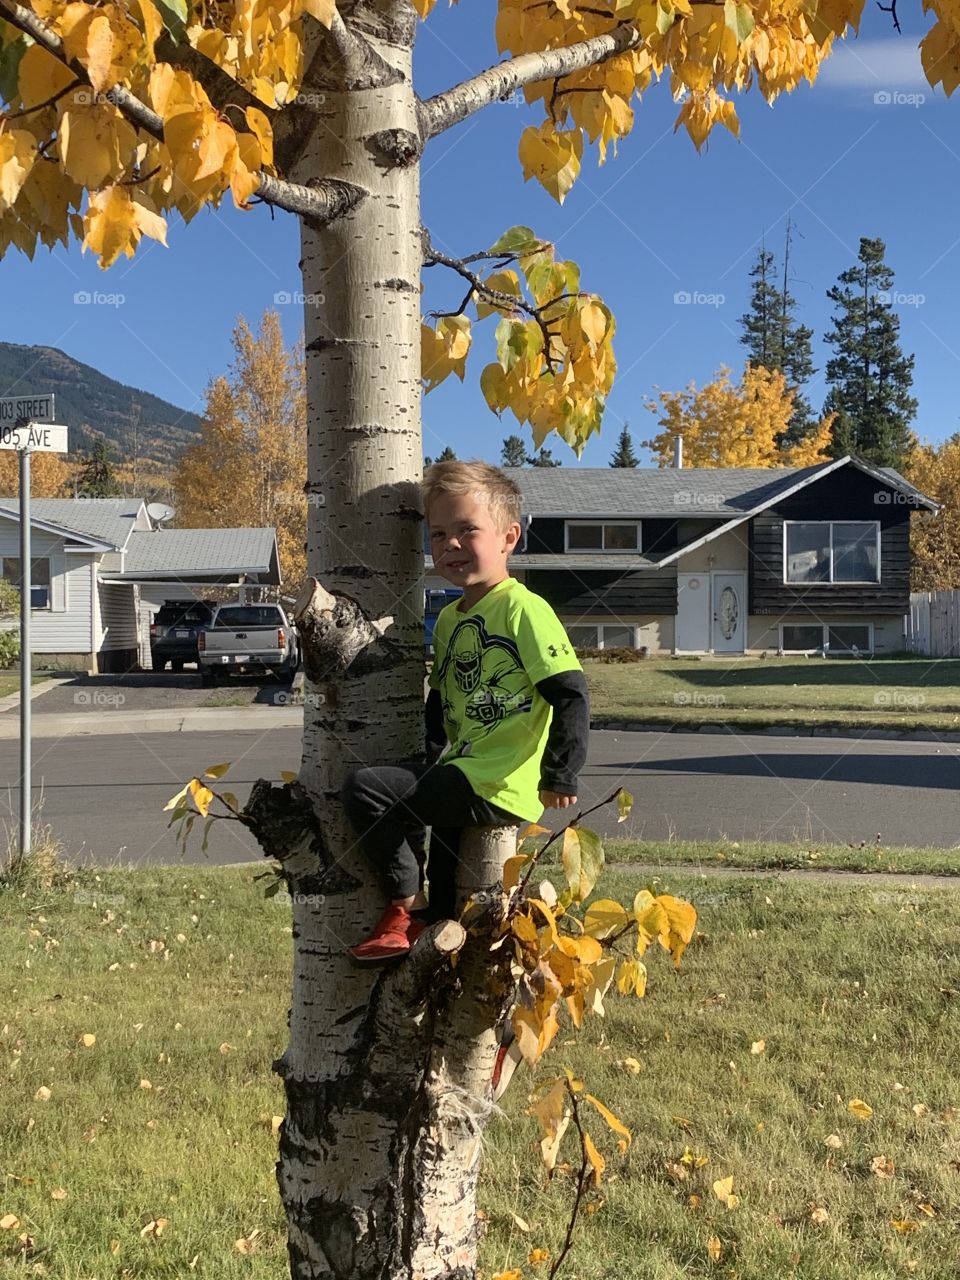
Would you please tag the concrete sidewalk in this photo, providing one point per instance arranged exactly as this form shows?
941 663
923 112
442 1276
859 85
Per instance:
176 720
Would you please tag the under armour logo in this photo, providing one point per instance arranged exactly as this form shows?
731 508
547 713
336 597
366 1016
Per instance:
554 651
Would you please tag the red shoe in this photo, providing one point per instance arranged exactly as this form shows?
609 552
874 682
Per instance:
392 937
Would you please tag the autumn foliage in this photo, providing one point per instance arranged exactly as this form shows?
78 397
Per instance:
728 425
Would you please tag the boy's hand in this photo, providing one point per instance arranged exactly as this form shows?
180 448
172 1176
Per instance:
556 800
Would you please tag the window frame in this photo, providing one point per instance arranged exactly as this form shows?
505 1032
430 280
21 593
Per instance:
832 581
600 627
602 550
47 586
824 645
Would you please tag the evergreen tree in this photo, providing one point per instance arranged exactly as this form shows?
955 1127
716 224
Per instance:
544 458
96 477
447 456
869 376
513 452
624 455
776 341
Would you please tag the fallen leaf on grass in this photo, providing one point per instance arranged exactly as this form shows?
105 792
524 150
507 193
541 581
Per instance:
58 1193
114 1246
247 1244
881 1167
515 1274
927 1210
714 1248
862 1110
145 1084
758 1046
919 1109
834 1141
154 1227
43 1094
521 1223
818 1215
629 1064
275 1123
9 1222
225 1048
723 1190
693 1201
903 1226
538 1255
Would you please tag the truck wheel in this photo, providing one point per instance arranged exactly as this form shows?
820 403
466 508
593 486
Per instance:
176 665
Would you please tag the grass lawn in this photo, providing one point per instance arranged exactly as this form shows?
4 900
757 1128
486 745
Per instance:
182 977
898 693
768 855
10 682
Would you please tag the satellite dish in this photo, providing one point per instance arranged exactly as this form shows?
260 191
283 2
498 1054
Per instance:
159 512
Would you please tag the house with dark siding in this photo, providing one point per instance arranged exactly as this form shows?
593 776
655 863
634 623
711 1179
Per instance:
726 561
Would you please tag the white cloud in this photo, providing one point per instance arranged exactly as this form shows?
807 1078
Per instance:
893 63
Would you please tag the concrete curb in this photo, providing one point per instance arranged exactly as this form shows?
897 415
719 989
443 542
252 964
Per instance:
13 699
186 720
778 730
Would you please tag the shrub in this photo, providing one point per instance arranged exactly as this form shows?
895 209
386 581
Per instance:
9 649
613 655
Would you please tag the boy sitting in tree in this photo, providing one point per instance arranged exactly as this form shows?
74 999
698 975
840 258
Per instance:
506 690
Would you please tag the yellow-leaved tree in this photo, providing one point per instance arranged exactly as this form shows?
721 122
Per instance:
935 543
120 114
249 467
50 475
735 425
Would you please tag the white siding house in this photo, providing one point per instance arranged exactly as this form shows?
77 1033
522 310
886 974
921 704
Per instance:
100 569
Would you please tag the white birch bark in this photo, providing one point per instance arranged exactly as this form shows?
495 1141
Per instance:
387 1077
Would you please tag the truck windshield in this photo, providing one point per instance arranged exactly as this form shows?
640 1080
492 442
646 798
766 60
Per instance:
249 615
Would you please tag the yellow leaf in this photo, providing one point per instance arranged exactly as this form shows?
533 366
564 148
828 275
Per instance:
758 1046
288 775
511 871
95 142
155 1228
444 350
516 1273
175 800
260 125
714 1248
275 1123
88 1040
552 157
593 322
834 1141
903 1226
536 1256
604 917
145 1084
43 1094
202 796
41 75
323 10
597 1162
882 1167
723 1190
819 1216
18 151
218 770
9 1222
857 1107
247 1244
616 1125
58 1193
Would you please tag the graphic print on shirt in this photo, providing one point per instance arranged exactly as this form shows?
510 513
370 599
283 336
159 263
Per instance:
487 674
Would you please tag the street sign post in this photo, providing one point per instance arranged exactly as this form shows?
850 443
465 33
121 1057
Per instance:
32 430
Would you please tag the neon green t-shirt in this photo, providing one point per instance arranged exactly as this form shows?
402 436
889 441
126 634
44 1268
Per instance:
487 662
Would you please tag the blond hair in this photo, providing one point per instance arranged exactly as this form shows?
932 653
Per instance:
481 479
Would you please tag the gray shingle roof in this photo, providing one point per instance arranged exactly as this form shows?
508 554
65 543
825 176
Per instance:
184 552
107 519
651 491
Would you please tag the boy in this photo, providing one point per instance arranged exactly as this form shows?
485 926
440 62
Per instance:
506 689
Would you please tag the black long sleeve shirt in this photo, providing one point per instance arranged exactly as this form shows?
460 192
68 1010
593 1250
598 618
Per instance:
568 740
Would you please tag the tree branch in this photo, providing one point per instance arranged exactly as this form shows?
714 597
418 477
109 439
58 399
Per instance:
456 104
322 201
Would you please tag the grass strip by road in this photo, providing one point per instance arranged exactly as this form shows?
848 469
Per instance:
10 682
784 856
182 977
888 694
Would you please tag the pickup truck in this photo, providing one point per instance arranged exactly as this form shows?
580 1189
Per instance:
248 637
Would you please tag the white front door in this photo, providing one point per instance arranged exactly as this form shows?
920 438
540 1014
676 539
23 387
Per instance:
693 612
729 611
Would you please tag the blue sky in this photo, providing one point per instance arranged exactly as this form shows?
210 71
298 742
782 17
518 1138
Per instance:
655 221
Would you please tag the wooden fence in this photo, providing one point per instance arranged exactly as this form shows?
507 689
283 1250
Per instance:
933 624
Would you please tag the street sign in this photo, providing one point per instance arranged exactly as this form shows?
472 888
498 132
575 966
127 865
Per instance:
32 408
37 437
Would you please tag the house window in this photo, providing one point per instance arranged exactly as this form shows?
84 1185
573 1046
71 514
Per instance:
39 579
602 637
606 535
831 551
816 637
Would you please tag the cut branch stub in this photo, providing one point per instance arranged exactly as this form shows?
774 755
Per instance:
334 631
284 821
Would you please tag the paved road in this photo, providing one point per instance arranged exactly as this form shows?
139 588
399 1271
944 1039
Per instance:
104 794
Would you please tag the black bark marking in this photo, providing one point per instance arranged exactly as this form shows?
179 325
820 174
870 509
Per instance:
401 286
280 818
394 148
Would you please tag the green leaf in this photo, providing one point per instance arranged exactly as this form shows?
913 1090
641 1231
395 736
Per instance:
174 14
738 19
517 240
272 889
10 56
206 833
624 805
665 17
217 770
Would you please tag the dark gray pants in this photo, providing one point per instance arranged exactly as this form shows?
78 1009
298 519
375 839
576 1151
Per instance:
388 807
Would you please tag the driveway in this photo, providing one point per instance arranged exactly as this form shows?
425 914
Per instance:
153 691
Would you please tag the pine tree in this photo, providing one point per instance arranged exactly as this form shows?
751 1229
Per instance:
96 477
544 458
447 456
776 341
624 455
513 452
869 376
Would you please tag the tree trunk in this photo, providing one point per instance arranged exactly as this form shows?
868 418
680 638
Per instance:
387 1074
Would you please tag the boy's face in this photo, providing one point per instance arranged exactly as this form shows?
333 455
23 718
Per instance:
468 549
